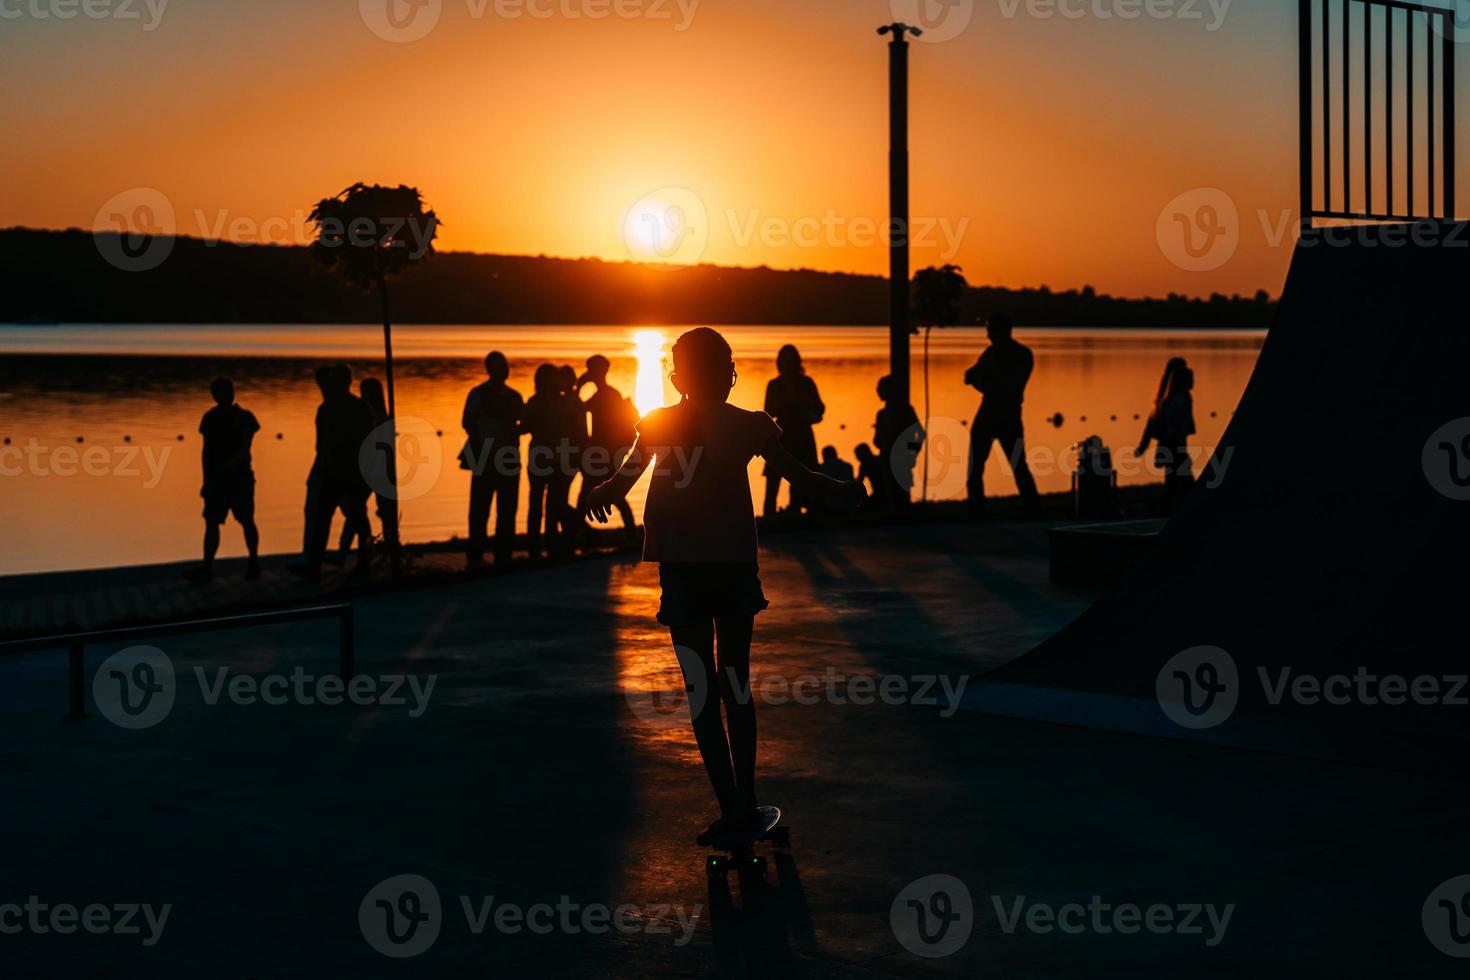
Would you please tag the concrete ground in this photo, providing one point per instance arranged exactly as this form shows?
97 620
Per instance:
547 770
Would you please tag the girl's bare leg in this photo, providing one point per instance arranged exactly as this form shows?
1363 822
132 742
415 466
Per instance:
734 633
709 731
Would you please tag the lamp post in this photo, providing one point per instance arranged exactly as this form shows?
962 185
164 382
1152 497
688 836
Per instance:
898 206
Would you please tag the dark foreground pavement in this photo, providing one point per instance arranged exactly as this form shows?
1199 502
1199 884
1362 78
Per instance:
544 782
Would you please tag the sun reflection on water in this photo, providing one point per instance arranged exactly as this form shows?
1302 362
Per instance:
648 349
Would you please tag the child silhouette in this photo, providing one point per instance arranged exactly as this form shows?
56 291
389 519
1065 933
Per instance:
700 527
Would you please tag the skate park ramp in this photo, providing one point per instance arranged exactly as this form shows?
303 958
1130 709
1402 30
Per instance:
1332 546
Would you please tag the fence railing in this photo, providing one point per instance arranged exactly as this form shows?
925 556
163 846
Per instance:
1377 89
76 643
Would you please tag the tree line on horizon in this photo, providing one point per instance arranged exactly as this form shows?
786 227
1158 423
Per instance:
61 276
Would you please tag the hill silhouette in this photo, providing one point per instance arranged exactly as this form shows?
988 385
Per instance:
61 276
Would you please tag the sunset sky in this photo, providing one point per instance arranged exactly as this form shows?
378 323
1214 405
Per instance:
1044 146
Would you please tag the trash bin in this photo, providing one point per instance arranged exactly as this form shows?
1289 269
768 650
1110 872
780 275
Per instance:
1094 482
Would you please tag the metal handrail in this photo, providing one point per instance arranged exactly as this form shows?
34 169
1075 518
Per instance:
1439 78
76 643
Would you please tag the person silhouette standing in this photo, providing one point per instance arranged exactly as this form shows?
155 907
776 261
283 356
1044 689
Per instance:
613 418
792 400
570 443
1176 425
899 437
699 525
343 424
492 454
1156 411
1000 375
373 396
546 419
229 479
323 377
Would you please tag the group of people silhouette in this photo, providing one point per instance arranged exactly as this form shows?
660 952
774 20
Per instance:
572 433
793 401
699 519
569 436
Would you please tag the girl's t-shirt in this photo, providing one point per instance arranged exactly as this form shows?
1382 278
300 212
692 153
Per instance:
699 506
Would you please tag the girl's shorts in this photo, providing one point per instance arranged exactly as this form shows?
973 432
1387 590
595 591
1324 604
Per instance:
697 592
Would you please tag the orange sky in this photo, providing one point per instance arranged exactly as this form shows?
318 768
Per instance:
1044 146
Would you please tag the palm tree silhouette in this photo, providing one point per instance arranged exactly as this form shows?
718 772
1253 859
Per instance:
372 233
936 296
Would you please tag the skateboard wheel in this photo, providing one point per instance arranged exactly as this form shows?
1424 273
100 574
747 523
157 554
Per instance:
716 866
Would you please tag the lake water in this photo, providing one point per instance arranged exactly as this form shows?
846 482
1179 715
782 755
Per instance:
128 492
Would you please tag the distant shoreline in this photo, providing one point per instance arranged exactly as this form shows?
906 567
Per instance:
78 277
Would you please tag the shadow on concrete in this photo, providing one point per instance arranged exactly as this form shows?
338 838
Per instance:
266 826
754 938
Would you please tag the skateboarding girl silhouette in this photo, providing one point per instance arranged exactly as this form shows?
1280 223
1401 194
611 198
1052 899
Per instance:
700 527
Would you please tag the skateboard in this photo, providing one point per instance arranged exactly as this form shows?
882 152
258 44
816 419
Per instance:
739 849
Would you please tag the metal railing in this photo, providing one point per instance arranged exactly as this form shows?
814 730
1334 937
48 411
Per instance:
76 643
1382 111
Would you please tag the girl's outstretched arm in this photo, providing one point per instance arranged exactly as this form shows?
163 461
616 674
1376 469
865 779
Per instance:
804 480
605 496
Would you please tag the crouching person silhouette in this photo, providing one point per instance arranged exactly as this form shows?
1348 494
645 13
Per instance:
699 524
